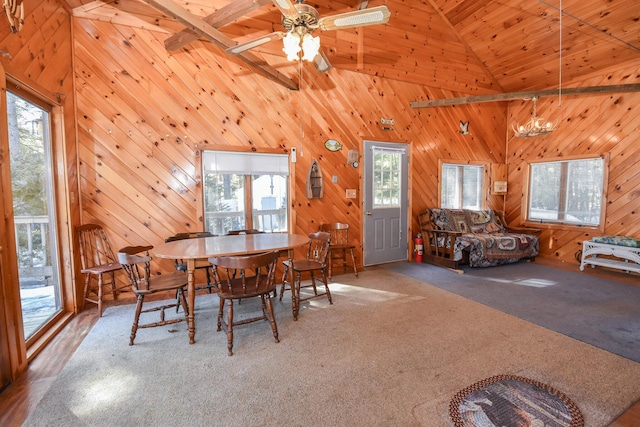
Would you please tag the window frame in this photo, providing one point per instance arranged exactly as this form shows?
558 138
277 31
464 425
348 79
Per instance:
557 224
19 348
249 210
484 187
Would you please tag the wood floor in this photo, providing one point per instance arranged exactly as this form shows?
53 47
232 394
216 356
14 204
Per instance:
21 397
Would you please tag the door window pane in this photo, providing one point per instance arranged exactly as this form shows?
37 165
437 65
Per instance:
386 178
34 215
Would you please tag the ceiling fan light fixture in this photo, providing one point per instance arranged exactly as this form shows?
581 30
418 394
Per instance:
292 46
310 47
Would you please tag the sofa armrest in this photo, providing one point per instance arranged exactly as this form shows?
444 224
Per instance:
512 229
439 243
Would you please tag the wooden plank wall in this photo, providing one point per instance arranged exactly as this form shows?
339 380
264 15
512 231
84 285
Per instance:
145 113
594 125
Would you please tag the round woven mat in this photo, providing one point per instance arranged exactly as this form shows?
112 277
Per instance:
509 400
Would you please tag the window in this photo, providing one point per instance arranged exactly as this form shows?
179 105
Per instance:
461 186
245 190
387 170
32 187
568 191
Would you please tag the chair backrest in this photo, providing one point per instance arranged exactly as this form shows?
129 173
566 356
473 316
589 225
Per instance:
188 235
247 231
318 246
245 275
339 232
94 246
180 264
136 266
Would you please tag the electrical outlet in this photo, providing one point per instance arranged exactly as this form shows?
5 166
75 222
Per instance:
351 193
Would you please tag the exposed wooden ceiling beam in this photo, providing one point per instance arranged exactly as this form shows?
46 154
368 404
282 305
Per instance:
220 17
526 95
199 26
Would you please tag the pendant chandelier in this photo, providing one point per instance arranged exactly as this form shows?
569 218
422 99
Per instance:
535 126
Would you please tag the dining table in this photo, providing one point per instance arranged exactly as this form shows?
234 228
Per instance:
191 250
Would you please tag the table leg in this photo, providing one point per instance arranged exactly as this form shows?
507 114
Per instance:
191 297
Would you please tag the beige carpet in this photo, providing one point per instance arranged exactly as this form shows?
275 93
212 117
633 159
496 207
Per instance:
390 351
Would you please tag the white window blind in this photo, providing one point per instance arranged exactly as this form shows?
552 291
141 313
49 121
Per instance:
245 163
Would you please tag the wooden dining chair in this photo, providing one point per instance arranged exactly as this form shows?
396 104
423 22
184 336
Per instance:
243 277
245 231
98 262
202 265
315 262
136 263
339 246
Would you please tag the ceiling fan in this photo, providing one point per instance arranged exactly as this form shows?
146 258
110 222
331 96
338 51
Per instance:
301 20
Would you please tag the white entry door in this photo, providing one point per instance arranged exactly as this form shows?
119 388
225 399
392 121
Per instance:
386 172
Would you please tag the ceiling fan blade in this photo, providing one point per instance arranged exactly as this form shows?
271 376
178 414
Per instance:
241 47
287 8
357 18
321 62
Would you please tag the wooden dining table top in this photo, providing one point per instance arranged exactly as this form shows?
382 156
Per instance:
243 244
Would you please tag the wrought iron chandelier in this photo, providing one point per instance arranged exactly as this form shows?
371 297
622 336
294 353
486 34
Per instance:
535 126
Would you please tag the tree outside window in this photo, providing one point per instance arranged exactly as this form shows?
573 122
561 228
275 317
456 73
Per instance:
461 186
568 191
245 190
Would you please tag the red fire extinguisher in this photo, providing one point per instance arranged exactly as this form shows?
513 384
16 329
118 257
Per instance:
418 248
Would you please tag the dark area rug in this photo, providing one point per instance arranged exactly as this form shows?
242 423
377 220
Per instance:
603 313
508 400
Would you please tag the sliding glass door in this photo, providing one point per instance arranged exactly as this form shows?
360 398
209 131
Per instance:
28 122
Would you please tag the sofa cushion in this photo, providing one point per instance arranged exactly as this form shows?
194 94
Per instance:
467 221
628 241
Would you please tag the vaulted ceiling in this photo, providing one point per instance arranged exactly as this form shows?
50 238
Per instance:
463 46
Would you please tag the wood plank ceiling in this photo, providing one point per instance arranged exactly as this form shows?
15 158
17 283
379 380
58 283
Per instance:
507 45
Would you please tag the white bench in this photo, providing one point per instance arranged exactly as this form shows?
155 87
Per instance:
629 258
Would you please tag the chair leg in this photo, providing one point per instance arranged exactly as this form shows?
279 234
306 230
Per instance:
100 295
230 326
183 302
353 263
272 317
284 281
87 280
296 305
179 298
136 319
326 286
114 292
220 313
313 283
209 284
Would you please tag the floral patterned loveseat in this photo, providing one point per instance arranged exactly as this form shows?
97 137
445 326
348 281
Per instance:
478 238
